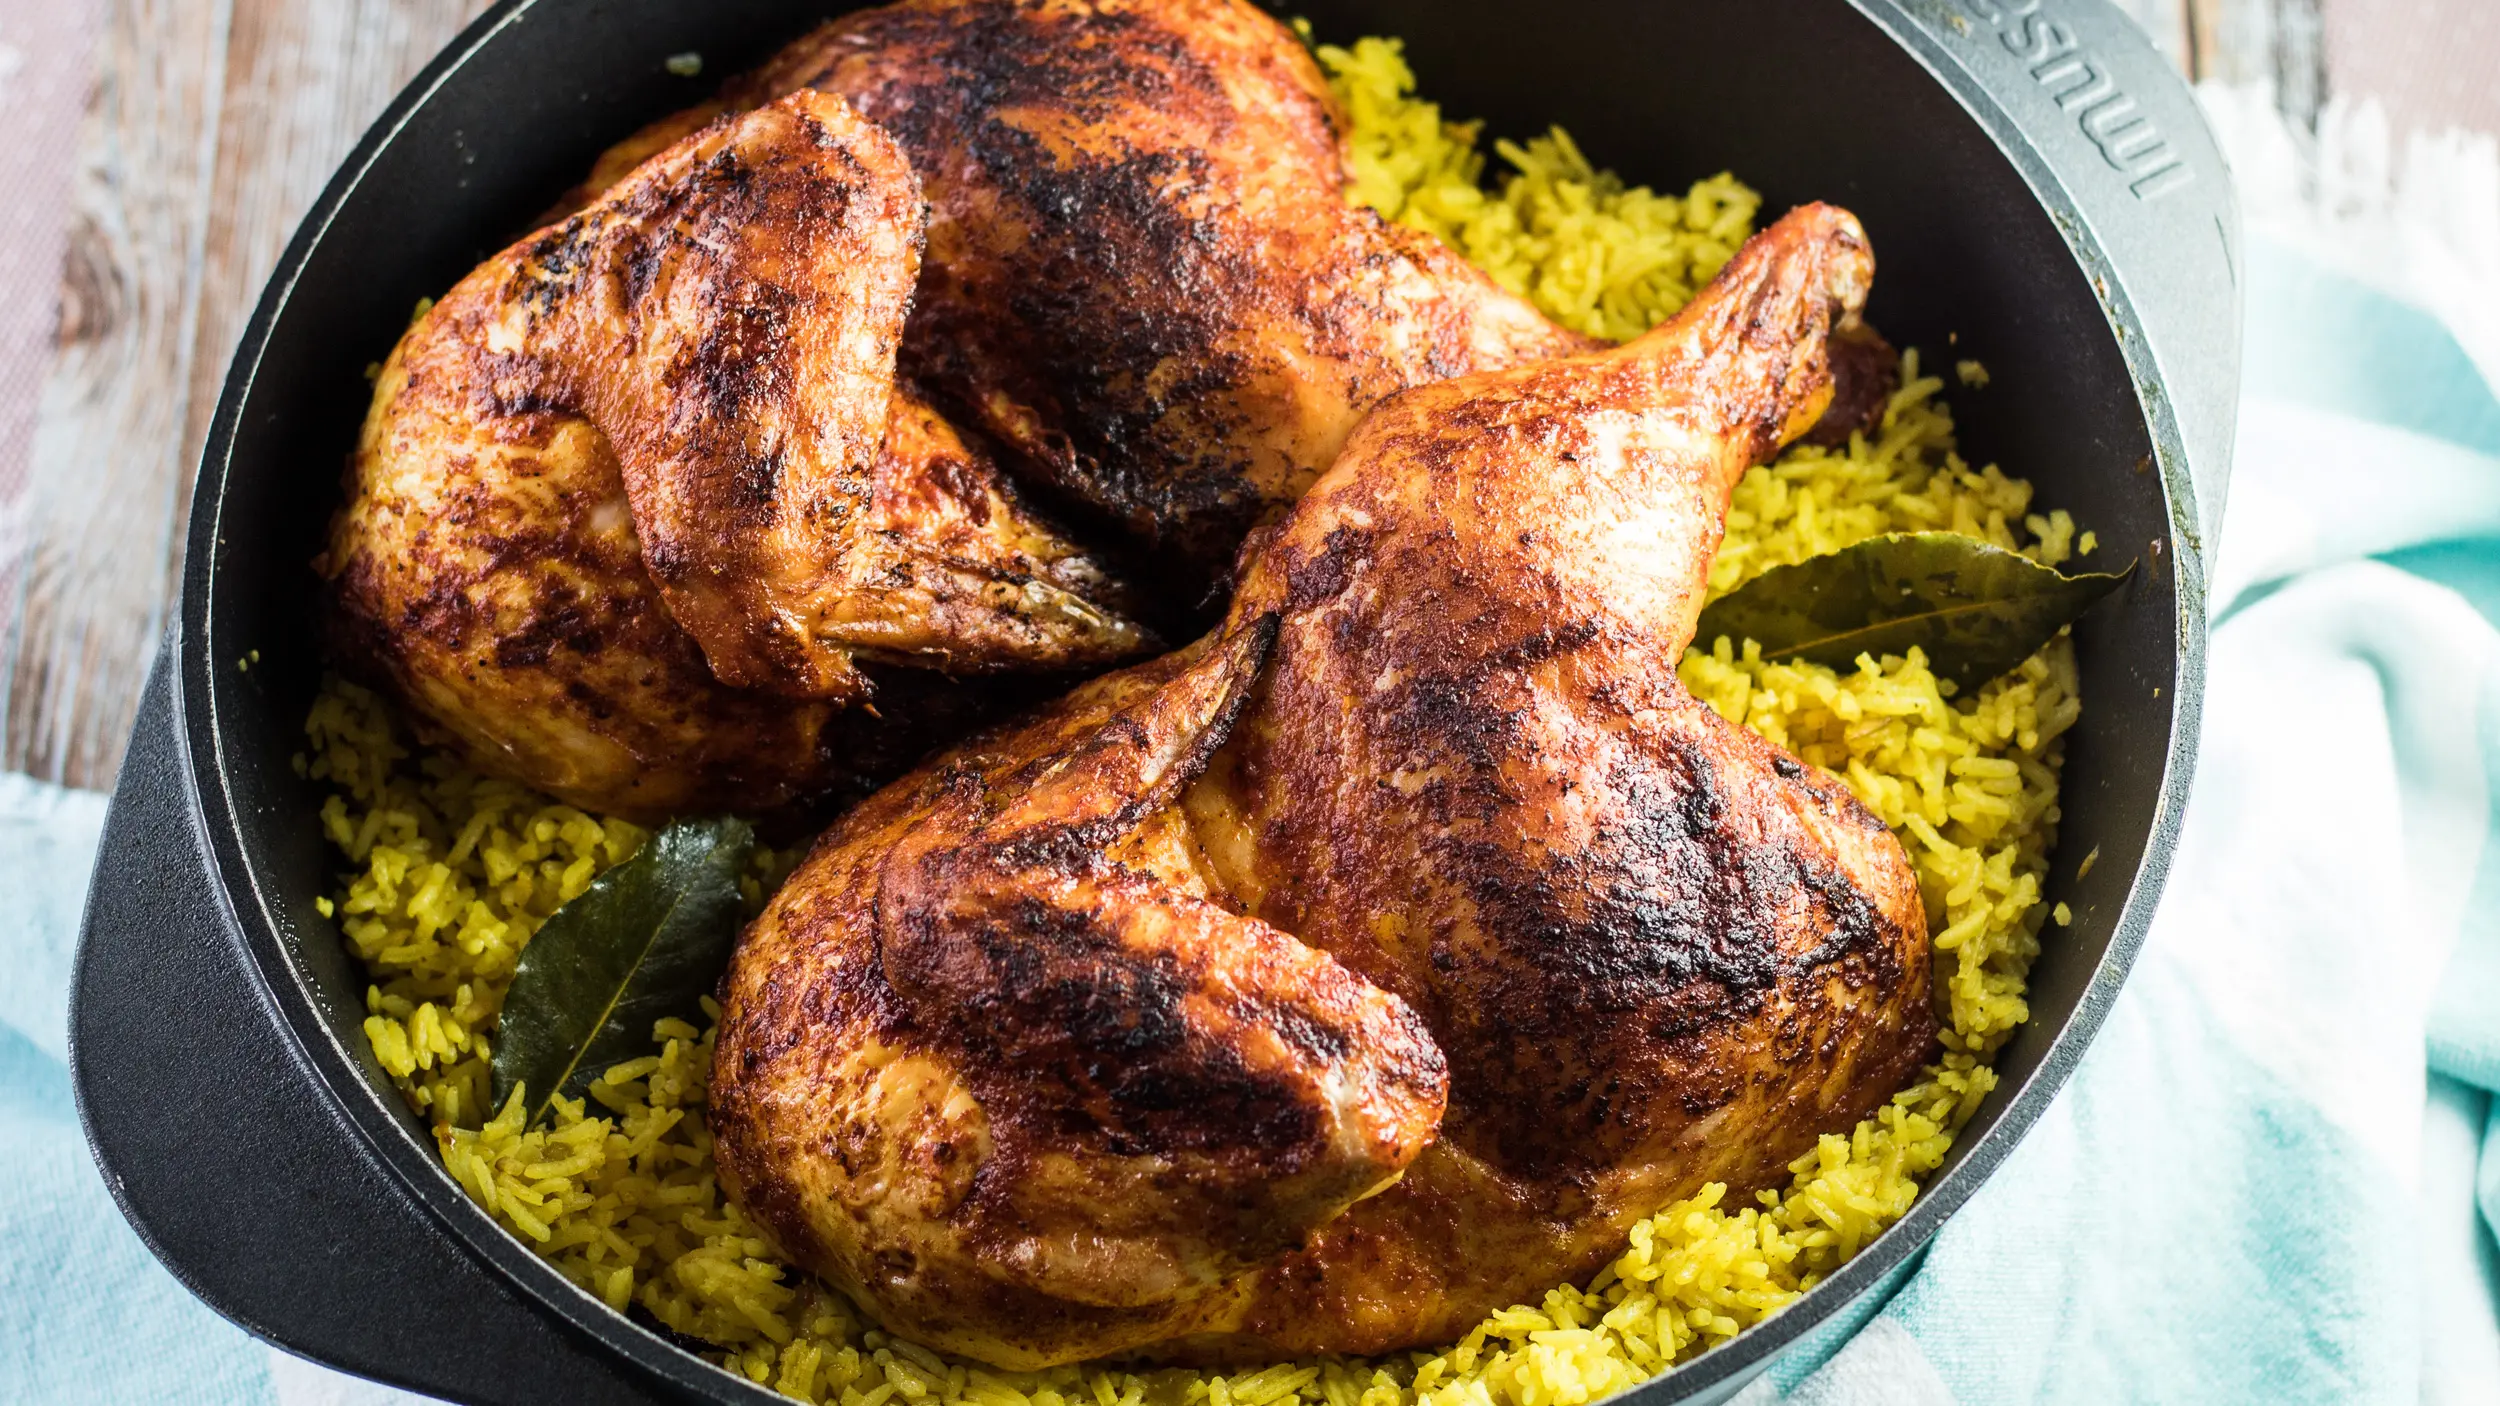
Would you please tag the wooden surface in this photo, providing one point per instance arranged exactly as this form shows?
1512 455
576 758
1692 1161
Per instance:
210 125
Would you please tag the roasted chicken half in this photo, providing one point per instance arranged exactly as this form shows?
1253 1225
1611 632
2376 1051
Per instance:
1143 275
1128 1030
640 507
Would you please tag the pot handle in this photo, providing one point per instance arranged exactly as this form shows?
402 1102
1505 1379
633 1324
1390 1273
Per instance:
226 1157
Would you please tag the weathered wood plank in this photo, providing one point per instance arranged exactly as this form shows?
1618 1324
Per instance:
2168 25
107 460
304 78
2434 63
44 68
214 125
2281 42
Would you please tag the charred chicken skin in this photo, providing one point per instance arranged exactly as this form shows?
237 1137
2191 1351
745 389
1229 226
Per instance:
1380 960
1143 276
640 507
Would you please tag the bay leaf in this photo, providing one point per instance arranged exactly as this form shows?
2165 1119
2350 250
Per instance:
1974 608
645 941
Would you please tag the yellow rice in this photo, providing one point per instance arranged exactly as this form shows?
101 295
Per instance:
454 871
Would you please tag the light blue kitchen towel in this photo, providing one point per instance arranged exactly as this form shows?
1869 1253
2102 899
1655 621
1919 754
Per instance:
86 1314
2275 1175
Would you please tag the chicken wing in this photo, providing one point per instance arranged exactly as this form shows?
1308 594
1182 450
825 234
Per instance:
640 505
1649 949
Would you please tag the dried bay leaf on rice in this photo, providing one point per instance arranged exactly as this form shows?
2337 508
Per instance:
1974 608
645 941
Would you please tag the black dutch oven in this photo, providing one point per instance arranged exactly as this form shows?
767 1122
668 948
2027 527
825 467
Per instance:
2041 194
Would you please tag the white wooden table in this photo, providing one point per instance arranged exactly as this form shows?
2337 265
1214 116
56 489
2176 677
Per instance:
140 212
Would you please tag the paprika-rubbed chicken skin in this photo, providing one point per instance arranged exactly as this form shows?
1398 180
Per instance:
1649 949
1143 275
996 1062
640 505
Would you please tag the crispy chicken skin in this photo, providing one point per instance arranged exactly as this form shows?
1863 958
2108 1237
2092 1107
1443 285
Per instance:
1438 739
997 1063
1655 950
640 505
1143 276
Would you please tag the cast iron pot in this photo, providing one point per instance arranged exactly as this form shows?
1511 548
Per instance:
2041 194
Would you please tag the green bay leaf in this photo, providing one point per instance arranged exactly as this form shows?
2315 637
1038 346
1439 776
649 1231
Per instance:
1974 608
645 941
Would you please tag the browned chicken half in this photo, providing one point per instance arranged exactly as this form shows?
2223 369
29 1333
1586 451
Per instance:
997 1063
639 500
1143 274
1651 949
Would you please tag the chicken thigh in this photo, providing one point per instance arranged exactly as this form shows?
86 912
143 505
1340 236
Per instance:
1380 960
640 507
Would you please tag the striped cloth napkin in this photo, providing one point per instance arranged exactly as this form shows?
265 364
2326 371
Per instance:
2277 1173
